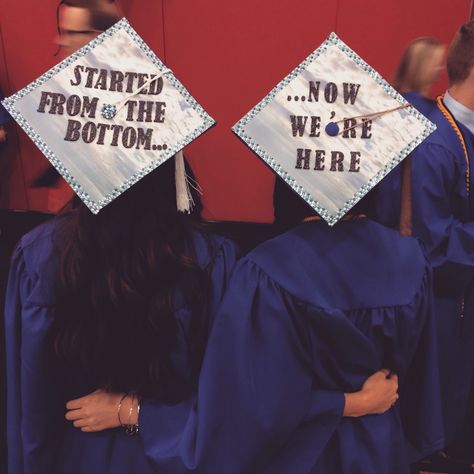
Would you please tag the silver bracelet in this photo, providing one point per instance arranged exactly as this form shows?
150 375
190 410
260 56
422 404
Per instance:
132 429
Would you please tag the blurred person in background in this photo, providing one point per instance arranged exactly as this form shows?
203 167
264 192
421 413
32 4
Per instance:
79 21
419 69
443 219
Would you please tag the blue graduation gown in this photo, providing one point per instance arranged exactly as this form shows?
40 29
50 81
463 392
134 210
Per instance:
308 316
40 440
388 194
422 104
443 215
444 220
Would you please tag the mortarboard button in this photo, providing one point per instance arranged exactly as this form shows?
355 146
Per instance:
332 129
108 111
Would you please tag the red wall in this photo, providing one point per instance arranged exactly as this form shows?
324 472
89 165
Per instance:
229 55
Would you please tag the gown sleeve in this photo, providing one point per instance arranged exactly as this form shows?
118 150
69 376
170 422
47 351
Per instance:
257 393
387 202
34 404
221 269
449 242
420 395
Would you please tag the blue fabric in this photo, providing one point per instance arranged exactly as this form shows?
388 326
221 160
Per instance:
308 316
443 218
40 441
422 104
388 190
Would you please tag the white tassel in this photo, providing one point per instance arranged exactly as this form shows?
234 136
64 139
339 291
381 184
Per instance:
184 198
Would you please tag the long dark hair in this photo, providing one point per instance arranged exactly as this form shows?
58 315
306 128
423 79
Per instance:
120 274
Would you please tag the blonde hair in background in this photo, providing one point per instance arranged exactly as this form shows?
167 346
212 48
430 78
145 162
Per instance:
419 66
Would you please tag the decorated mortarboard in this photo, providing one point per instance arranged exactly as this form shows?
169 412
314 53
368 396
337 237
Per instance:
108 115
333 128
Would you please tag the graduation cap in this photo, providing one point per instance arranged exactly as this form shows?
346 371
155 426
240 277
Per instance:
109 114
333 128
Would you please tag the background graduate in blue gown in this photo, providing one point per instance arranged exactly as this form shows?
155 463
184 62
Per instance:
443 220
418 70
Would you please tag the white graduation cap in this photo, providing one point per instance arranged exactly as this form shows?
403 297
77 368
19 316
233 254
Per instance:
108 115
333 128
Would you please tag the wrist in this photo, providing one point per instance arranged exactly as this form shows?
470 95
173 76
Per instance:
134 410
356 404
128 413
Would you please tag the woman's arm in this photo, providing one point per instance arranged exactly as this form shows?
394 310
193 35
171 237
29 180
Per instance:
102 410
378 395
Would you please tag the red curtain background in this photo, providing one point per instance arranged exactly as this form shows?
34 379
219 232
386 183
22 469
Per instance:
229 55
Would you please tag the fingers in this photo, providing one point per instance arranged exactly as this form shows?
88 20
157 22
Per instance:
389 405
394 381
87 425
77 403
393 377
73 415
80 402
83 422
389 374
89 429
393 400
